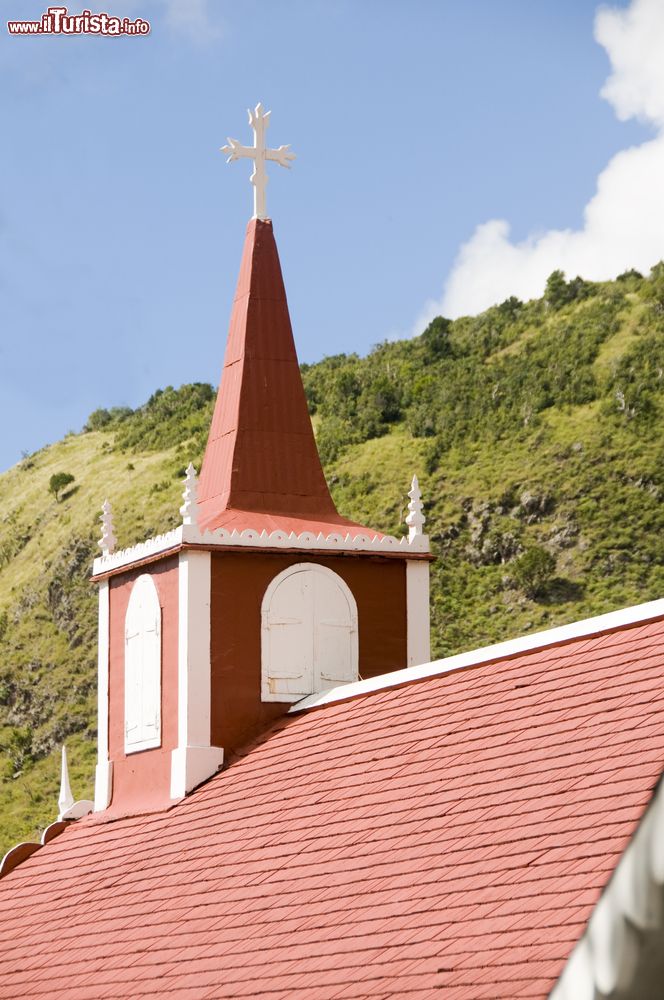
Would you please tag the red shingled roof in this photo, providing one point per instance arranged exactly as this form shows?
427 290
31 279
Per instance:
445 839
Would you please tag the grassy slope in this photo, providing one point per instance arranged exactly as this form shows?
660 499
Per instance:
576 479
48 665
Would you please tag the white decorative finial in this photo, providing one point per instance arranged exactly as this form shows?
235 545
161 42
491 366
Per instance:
66 799
415 518
259 121
107 541
189 508
68 809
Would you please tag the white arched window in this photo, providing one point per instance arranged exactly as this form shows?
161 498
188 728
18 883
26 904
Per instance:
143 667
308 633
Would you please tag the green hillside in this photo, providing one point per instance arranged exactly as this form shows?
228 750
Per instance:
535 429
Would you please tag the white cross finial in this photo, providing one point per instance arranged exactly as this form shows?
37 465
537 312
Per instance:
66 799
259 121
189 508
107 541
415 518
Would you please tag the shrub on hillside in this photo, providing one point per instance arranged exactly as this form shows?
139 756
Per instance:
17 745
630 275
637 384
333 436
169 417
510 308
559 293
103 419
436 339
533 570
356 400
655 286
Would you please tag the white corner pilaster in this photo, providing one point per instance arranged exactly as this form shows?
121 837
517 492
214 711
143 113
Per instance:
417 612
104 769
194 759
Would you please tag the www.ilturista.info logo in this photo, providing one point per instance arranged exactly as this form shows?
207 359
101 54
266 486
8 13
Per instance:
58 21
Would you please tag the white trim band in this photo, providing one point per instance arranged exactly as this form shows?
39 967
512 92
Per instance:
104 769
194 759
251 538
417 612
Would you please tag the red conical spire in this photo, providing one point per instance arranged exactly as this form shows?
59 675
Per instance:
261 456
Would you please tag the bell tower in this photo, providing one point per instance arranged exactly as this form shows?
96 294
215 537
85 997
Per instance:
264 594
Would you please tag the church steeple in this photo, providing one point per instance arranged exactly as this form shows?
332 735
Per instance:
261 469
264 594
261 454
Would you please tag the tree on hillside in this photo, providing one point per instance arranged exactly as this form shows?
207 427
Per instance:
58 481
559 292
101 418
533 570
436 339
657 285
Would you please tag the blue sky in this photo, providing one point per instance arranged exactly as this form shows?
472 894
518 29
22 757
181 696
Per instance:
414 123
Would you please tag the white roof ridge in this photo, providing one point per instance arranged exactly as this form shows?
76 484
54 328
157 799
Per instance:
485 654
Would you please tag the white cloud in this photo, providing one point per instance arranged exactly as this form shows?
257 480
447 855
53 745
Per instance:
623 224
633 39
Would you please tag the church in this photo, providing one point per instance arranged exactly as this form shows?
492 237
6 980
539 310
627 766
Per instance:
291 801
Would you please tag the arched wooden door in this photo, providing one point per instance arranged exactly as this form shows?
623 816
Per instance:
309 633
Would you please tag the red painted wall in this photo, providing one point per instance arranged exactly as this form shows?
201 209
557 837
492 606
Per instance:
141 781
239 581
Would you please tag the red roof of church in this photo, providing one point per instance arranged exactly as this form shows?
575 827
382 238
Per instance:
445 839
261 467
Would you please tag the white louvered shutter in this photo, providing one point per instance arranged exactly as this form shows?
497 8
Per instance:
288 627
143 667
335 635
309 633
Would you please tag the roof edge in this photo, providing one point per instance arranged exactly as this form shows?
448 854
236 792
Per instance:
606 957
609 622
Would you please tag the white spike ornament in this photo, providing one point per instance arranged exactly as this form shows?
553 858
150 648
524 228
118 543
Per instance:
66 799
415 518
108 540
259 153
189 508
68 808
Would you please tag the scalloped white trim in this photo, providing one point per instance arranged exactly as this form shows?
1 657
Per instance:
52 831
150 547
306 540
78 810
630 910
